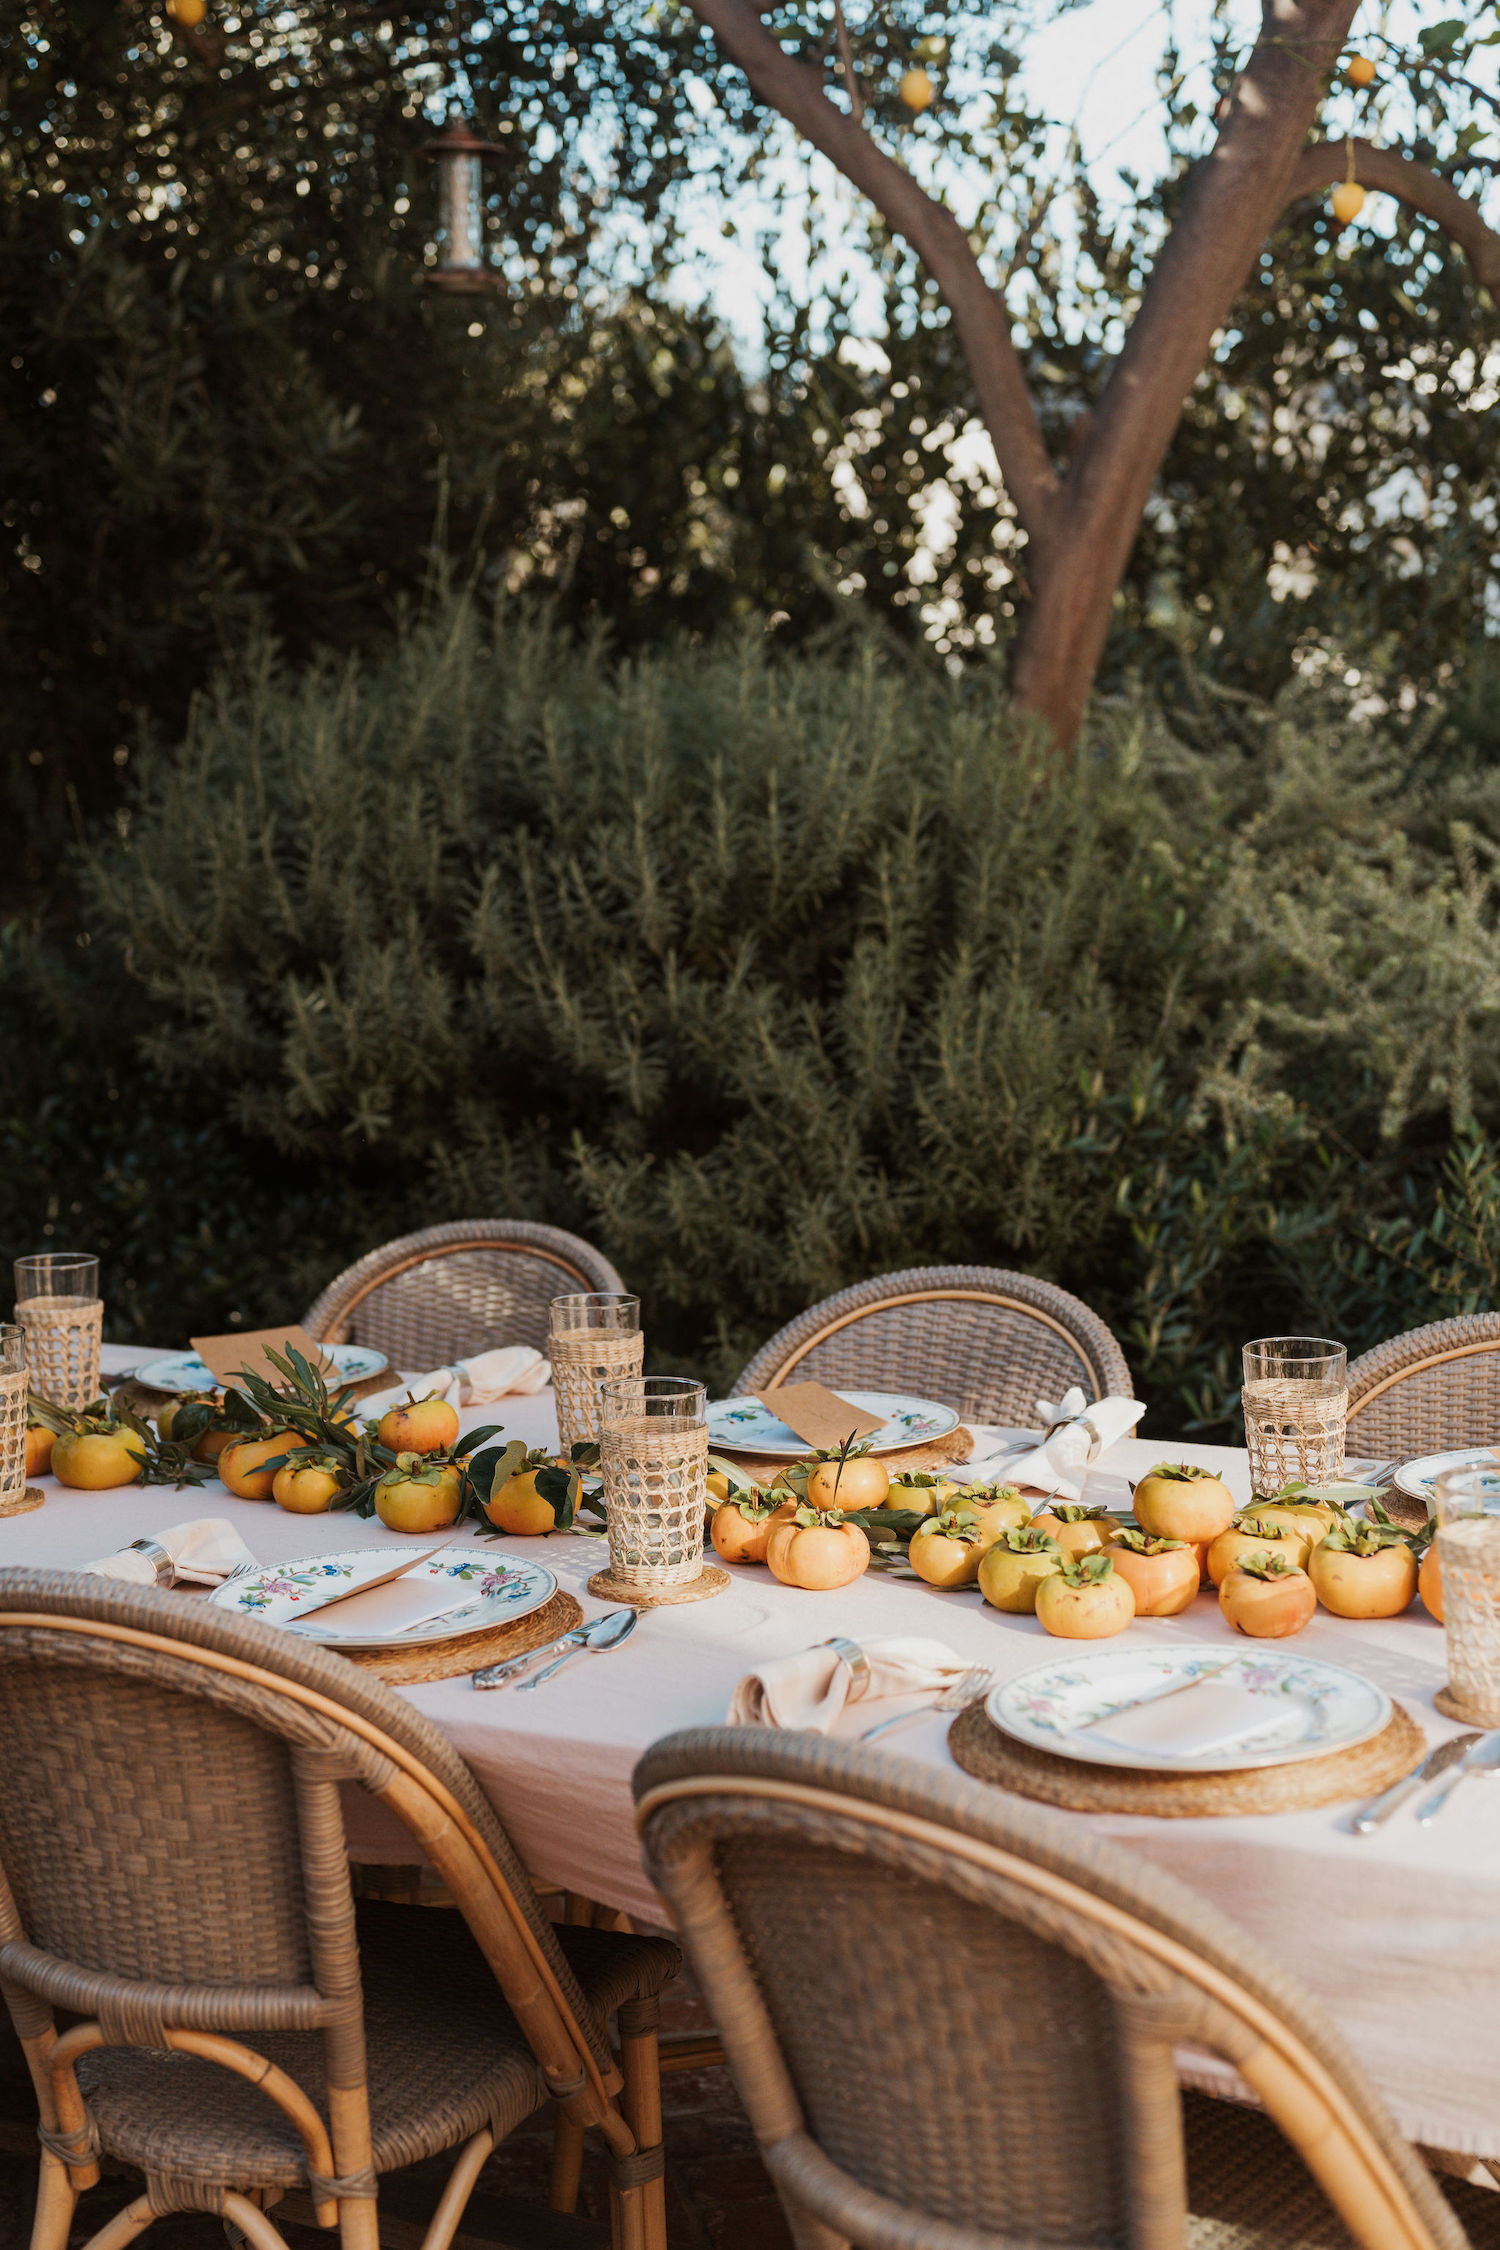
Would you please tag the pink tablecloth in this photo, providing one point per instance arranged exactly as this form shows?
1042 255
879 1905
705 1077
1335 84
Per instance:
1398 1934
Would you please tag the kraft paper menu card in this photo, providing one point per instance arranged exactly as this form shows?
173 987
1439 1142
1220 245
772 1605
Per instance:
229 1357
819 1417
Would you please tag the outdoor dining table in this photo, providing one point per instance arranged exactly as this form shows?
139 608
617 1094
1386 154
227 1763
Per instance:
1397 1933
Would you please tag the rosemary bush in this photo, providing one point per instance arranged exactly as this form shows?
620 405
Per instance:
774 973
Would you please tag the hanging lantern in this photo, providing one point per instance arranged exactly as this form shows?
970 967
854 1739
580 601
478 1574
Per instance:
459 155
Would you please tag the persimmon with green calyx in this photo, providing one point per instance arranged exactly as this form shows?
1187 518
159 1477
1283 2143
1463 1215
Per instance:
248 1466
419 1494
921 1491
308 1486
1077 1530
187 1416
422 1425
1178 1500
106 1445
1247 1536
1011 1571
815 1548
524 1491
1267 1596
946 1550
994 1507
1294 1510
743 1523
1163 1574
1086 1600
846 1477
1364 1570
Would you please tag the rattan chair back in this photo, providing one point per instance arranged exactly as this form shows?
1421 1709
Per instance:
984 1341
1433 1389
173 1869
451 1291
953 2020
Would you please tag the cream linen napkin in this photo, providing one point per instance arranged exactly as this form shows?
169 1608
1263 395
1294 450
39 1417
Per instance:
201 1553
1074 1434
809 1690
512 1370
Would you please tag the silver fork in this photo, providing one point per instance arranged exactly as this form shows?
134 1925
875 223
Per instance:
967 1688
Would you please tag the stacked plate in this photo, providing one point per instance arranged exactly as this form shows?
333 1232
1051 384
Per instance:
458 1590
743 1425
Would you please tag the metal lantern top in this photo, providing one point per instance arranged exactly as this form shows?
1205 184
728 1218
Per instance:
459 154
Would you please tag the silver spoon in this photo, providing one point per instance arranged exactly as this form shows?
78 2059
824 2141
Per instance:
605 1633
1482 1757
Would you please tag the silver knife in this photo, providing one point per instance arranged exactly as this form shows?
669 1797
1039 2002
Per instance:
1436 1761
1481 1757
501 1675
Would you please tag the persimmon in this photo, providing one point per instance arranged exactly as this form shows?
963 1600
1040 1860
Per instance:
419 1495
307 1488
423 1425
1163 1574
39 1443
96 1460
1178 1500
742 1525
1364 1570
1078 1531
1246 1536
815 1548
847 1478
922 1492
1087 1600
1267 1596
1430 1583
1295 1509
947 1550
1011 1571
994 1507
242 1464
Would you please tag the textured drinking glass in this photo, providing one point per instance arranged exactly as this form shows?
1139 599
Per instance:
592 1338
1468 1545
654 1446
1296 1402
13 1388
57 1303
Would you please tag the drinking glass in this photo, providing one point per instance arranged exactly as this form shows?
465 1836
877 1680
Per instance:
1296 1402
13 1388
1468 1545
654 1445
592 1338
57 1303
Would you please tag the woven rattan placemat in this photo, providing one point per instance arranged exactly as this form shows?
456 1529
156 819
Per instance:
1363 1771
409 1667
936 1453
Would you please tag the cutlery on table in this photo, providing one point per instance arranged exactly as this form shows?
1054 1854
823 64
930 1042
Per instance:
365 1586
605 1633
969 1685
1482 1758
1436 1761
512 1668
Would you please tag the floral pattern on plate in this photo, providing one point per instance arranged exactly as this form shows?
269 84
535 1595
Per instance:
1312 1707
744 1425
185 1371
498 1590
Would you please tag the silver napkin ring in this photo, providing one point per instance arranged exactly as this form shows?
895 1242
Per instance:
853 1657
162 1565
1079 1422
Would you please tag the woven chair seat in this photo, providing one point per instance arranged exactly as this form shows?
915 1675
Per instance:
1238 2163
445 2057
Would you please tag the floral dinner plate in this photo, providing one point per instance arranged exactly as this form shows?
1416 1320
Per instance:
1311 1707
743 1425
463 1589
185 1371
1418 1479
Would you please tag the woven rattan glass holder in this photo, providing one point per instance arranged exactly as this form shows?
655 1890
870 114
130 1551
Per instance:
592 1339
1342 1775
16 1496
1296 1406
62 1348
654 1454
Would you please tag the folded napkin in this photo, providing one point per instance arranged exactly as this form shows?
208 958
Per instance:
512 1370
1074 1433
200 1553
809 1690
1215 1714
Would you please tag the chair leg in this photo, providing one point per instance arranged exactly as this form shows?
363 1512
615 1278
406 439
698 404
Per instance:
56 2201
446 2218
640 2062
126 2225
567 2163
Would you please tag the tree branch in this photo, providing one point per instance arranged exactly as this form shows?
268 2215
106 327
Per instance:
1387 170
979 315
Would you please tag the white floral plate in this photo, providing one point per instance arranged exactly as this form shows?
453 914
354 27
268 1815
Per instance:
185 1371
743 1425
1418 1479
1311 1707
470 1590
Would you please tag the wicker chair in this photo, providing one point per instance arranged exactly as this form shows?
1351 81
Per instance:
986 1342
451 1291
173 1872
952 2017
1428 1390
